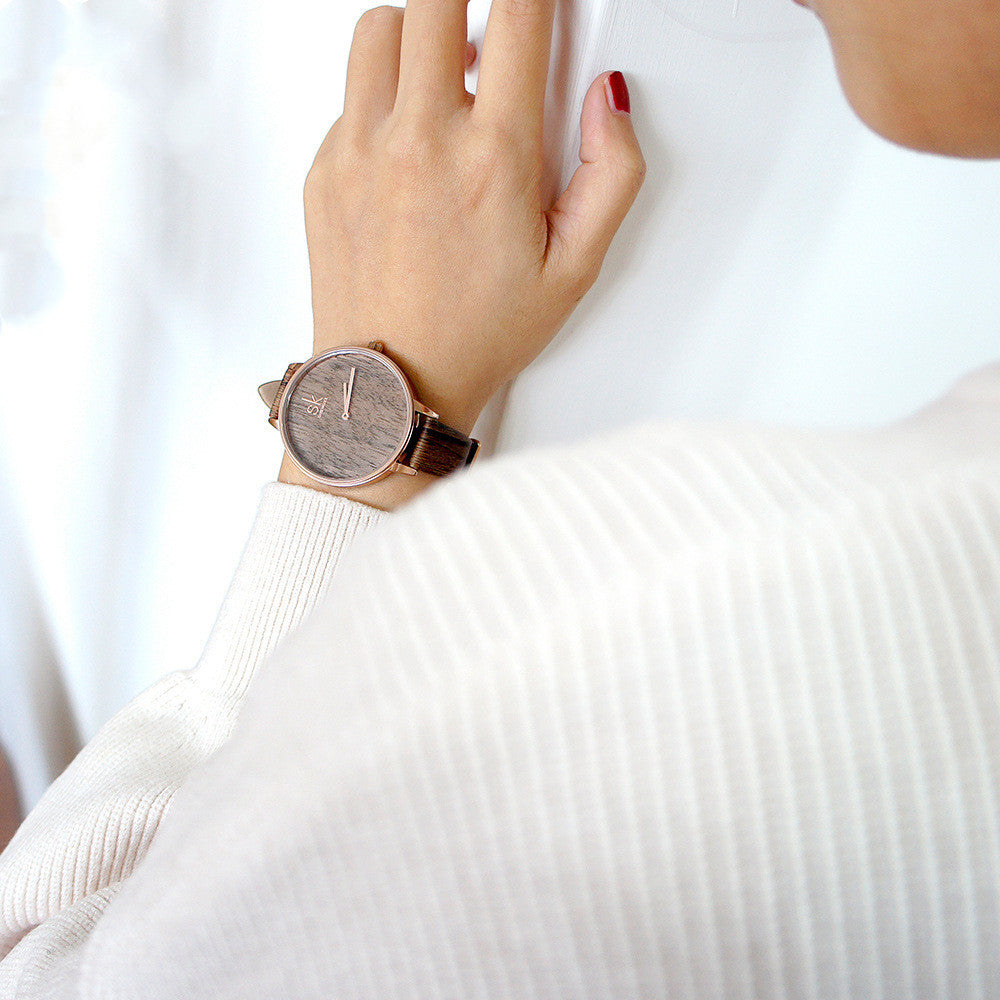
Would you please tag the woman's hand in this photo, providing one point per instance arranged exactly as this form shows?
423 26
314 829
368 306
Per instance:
424 213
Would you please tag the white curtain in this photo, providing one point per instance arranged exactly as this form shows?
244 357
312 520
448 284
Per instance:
781 264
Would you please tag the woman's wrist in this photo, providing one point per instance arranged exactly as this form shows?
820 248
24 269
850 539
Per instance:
388 493
456 410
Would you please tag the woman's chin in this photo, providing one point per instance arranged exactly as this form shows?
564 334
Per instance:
917 118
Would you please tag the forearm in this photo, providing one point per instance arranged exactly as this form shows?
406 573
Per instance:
124 779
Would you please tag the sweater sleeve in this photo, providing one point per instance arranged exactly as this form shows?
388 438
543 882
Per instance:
97 820
683 712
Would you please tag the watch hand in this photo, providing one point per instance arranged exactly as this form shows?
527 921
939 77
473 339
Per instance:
348 390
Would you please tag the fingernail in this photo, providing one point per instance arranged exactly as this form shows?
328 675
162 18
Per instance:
618 93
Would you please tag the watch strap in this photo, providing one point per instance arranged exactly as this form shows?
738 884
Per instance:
437 448
282 385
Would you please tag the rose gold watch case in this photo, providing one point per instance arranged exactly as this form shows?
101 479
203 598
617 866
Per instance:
413 408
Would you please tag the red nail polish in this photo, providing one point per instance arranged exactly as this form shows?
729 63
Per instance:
619 92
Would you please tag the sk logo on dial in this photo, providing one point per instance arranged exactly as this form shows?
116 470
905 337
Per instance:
315 405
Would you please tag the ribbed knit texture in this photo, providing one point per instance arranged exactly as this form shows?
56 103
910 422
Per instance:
96 821
680 712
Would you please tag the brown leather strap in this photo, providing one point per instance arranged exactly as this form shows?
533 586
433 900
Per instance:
437 448
286 378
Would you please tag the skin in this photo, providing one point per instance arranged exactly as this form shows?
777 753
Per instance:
10 803
426 217
426 220
922 73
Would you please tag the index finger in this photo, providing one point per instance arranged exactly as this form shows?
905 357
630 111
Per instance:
514 64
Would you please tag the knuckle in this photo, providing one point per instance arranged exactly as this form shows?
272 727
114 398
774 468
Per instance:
342 157
350 154
633 170
311 188
494 150
640 169
411 149
521 10
316 183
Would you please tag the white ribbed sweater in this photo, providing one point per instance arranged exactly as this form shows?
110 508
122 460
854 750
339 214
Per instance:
683 711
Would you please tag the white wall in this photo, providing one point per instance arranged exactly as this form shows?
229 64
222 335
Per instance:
781 264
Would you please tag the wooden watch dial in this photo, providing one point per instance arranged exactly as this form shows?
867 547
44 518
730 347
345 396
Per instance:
361 446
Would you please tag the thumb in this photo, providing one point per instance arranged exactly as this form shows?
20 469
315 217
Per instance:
585 218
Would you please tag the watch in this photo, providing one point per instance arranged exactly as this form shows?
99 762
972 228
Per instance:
349 416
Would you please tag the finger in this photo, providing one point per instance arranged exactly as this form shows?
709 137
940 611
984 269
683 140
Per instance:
585 218
373 66
514 65
432 55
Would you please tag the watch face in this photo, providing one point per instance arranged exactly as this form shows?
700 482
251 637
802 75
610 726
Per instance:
346 415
